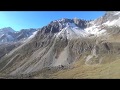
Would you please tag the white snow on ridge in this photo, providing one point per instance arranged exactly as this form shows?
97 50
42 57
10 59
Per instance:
1 35
71 33
70 30
94 30
32 36
117 13
113 23
108 23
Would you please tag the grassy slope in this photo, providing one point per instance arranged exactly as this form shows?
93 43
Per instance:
109 70
103 71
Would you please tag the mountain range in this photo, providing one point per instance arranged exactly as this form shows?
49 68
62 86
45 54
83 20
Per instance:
9 35
61 46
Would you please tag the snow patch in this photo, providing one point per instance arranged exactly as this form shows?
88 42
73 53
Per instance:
72 32
1 35
94 30
117 13
113 23
32 36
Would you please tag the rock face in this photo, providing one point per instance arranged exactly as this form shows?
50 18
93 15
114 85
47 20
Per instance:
64 41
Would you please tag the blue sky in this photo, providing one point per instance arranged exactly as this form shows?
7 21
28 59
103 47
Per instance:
36 19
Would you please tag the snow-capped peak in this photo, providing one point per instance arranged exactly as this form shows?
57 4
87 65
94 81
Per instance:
71 33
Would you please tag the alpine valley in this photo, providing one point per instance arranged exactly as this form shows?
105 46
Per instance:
65 48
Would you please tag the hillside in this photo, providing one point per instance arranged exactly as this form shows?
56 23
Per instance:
102 71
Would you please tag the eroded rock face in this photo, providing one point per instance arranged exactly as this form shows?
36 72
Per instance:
81 23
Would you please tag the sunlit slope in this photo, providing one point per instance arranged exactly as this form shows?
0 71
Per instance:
102 71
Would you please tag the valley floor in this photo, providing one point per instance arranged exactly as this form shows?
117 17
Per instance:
102 71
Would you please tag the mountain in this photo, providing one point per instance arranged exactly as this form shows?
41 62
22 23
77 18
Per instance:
6 34
9 35
61 44
6 30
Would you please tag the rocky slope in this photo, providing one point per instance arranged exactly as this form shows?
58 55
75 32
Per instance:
63 42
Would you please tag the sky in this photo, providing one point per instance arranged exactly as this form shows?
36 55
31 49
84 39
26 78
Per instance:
36 19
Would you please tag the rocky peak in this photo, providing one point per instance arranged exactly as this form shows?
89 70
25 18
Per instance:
58 25
80 22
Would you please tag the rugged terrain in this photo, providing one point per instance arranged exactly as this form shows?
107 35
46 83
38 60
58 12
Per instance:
68 48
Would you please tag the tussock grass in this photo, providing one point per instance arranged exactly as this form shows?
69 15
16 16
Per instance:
109 70
99 71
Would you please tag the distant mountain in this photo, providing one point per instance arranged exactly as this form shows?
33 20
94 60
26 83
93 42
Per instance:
6 30
9 35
